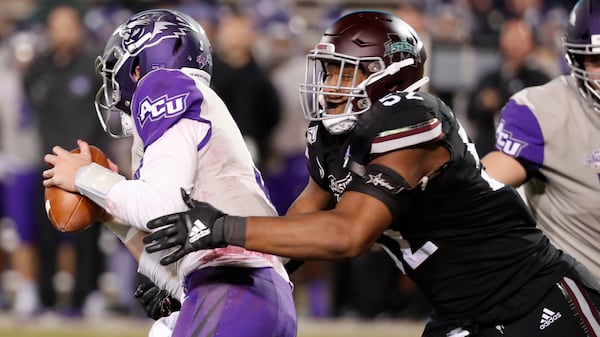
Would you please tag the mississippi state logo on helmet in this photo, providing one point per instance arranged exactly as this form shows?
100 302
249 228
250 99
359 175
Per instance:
399 47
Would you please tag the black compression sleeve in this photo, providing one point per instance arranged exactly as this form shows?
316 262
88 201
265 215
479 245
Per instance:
386 185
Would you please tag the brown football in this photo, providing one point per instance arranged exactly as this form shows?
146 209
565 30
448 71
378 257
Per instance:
72 212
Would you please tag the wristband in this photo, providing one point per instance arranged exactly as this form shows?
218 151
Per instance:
234 229
94 181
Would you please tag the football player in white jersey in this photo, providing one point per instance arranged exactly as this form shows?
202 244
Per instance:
156 69
548 138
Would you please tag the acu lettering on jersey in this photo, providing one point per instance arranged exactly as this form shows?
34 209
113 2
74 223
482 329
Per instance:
519 134
506 142
162 107
163 97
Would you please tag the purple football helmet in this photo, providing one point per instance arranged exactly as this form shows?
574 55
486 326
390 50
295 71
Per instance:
151 39
582 38
378 44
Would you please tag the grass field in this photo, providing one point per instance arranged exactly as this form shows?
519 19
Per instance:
116 327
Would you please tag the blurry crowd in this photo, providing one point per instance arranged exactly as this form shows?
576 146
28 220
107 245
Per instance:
480 53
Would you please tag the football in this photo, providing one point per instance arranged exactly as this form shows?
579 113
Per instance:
72 212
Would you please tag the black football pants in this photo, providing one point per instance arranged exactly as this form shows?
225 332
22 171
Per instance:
569 309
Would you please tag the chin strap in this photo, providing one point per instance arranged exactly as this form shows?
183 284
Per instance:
126 125
419 83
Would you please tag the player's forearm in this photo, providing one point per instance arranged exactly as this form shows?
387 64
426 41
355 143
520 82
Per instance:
148 264
504 168
320 235
134 244
165 277
125 233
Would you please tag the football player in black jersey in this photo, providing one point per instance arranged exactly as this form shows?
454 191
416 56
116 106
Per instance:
392 167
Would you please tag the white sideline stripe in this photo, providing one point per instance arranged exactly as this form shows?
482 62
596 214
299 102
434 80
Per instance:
585 307
403 142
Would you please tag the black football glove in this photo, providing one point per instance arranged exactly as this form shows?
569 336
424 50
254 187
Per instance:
156 302
202 227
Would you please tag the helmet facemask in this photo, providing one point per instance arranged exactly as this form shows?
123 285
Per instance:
588 82
377 79
317 96
113 113
581 41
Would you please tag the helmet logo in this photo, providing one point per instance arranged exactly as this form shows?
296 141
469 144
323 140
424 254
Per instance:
148 30
202 61
396 45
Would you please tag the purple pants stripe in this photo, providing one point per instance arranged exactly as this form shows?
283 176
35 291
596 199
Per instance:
236 302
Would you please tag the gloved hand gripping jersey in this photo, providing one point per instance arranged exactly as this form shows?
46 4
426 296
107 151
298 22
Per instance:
156 302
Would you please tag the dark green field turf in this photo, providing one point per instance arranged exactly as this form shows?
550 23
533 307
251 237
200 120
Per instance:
115 327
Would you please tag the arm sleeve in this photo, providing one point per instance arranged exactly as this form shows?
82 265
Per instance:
168 164
162 98
386 185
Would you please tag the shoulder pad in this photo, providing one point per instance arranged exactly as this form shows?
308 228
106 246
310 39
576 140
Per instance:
162 98
400 120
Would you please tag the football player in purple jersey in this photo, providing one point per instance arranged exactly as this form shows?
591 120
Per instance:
548 140
156 69
391 167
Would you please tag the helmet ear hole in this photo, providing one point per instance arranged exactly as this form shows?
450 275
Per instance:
134 65
177 45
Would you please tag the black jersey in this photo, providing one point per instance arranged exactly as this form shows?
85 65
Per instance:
468 241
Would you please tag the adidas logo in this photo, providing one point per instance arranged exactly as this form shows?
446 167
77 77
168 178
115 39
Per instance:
198 231
548 317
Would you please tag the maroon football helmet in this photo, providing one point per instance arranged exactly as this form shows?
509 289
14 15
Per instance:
381 46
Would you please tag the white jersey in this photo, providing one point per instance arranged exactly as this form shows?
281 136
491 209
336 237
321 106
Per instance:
555 134
186 138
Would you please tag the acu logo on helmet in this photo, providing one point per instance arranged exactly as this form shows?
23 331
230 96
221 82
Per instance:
148 29
396 45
